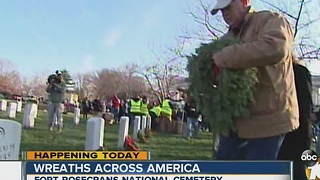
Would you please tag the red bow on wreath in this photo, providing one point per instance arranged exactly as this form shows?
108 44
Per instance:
216 70
130 145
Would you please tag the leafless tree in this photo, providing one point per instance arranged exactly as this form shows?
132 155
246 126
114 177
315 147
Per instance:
304 17
206 27
10 78
107 82
34 85
84 84
161 75
132 84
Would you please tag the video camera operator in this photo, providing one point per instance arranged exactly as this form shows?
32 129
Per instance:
56 89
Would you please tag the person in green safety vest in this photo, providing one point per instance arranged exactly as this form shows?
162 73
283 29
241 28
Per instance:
155 114
134 108
144 109
166 113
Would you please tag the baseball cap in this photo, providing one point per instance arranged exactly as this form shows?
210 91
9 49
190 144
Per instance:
220 5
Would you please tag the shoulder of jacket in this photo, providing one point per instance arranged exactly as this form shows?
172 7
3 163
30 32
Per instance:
301 65
268 14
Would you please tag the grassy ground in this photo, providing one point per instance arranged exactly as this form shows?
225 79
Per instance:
162 146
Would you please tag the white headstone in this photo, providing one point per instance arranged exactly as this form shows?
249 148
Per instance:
148 122
12 110
136 127
3 105
123 131
28 116
19 106
10 137
76 116
143 123
94 134
34 110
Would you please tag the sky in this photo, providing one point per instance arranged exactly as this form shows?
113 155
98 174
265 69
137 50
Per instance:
82 35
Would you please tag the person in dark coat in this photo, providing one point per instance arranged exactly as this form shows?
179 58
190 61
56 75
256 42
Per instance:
296 142
85 105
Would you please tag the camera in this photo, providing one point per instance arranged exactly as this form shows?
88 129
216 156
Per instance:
54 78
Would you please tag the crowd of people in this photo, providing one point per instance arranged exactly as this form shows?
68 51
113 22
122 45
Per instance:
98 107
171 116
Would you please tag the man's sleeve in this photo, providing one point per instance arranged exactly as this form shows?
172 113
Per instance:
273 44
61 87
48 89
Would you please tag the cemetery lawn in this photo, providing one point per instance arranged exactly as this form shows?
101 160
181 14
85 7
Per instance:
161 146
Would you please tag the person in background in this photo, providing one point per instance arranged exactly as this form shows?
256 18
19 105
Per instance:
144 108
205 125
103 107
56 89
108 117
299 140
135 105
85 106
192 115
123 108
155 113
116 103
166 115
96 107
268 46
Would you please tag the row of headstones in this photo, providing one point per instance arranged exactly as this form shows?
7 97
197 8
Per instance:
30 112
95 131
10 131
12 109
10 134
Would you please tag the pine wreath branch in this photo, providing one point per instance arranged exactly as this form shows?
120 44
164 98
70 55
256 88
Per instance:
222 95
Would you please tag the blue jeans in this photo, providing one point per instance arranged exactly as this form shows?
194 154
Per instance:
115 112
193 126
235 148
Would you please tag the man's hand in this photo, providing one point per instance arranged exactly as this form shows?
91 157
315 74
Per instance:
50 84
217 61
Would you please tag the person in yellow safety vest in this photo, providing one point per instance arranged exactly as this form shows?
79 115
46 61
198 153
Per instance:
144 106
166 111
134 110
155 113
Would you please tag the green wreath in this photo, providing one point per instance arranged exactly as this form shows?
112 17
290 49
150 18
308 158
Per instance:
222 95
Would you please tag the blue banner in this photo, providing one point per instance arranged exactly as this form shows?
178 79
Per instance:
158 167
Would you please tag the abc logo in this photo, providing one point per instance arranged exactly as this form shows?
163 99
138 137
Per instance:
309 158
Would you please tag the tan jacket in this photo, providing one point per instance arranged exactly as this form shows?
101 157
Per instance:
268 41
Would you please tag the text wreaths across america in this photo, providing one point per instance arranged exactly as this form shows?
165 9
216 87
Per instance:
156 167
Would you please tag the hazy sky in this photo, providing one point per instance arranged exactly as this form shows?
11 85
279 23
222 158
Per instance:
82 35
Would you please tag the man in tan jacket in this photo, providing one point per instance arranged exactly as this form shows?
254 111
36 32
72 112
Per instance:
267 45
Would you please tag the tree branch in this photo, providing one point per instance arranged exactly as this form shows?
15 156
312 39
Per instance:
298 19
277 8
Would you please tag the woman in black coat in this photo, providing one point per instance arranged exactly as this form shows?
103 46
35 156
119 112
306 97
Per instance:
299 140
